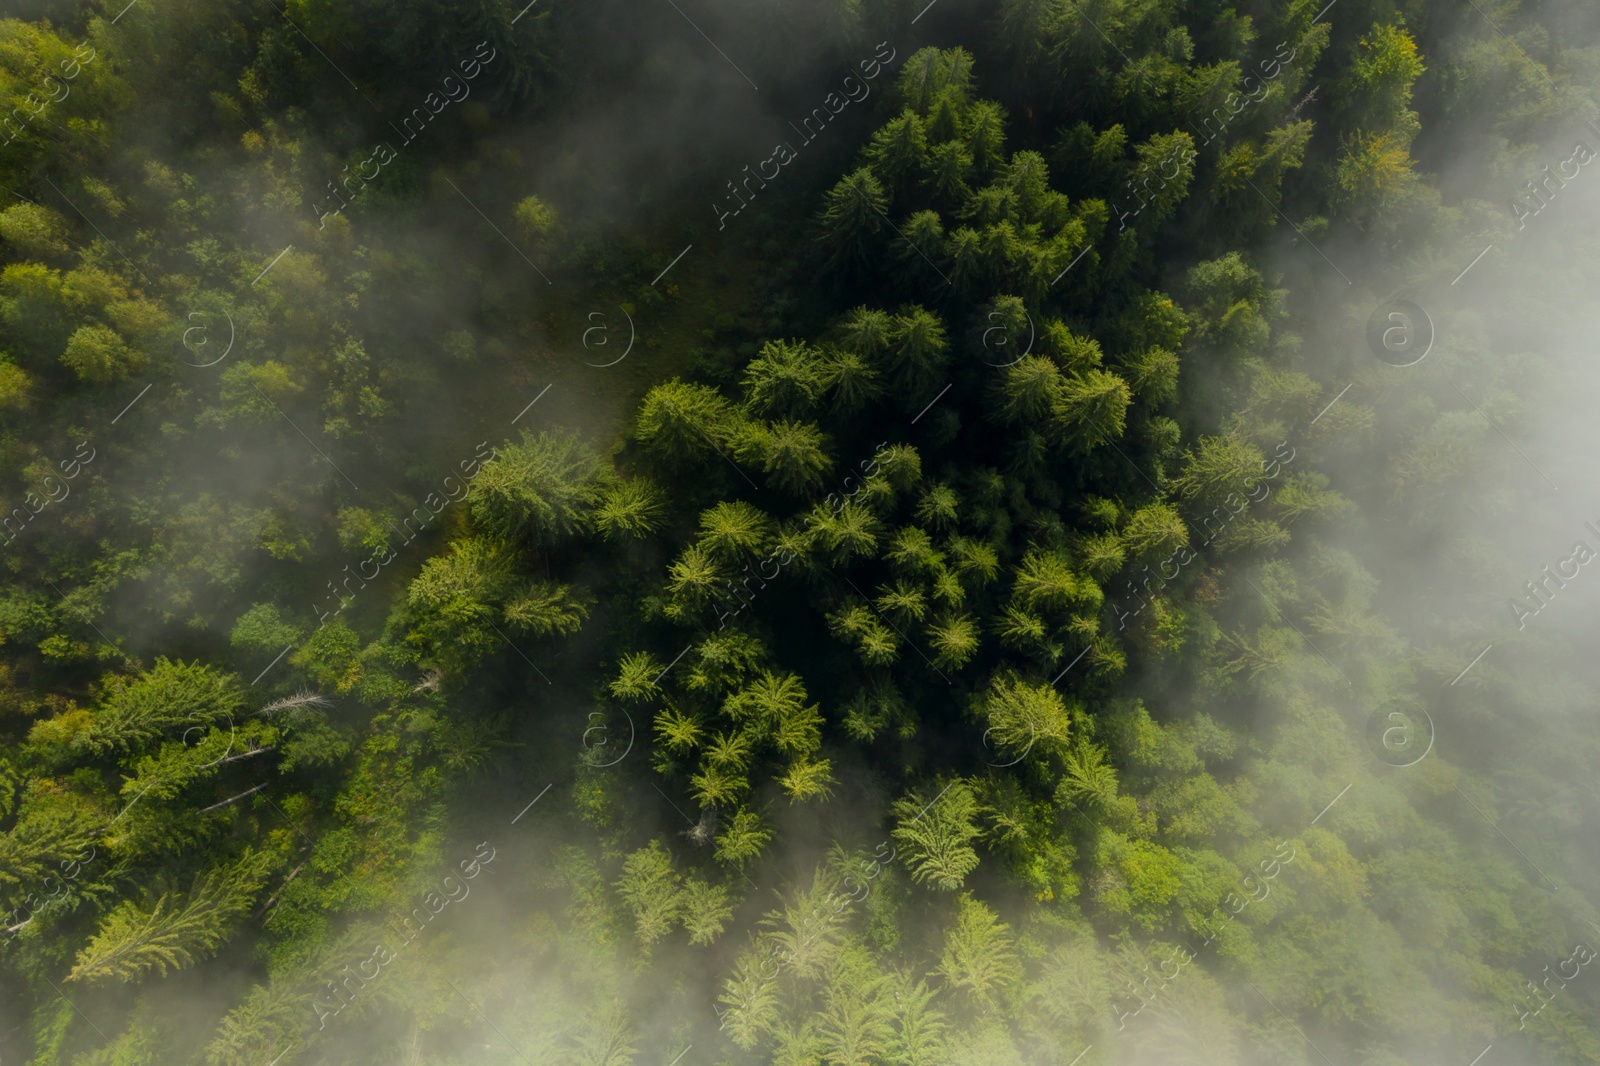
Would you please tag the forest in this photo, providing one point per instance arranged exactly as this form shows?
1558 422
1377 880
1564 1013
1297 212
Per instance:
851 533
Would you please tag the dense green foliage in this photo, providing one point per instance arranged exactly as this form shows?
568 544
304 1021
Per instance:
1015 487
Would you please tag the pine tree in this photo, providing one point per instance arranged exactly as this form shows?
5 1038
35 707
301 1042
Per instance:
937 837
875 642
750 997
808 779
954 638
1378 84
785 379
866 332
649 888
718 784
854 1028
1046 581
723 662
919 1028
542 488
1165 168
933 74
735 531
792 454
1154 531
1214 469
633 508
742 838
852 379
963 249
1024 717
636 677
808 926
1152 374
696 579
949 164
853 220
706 908
605 1037
132 940
1088 776
170 694
985 136
1028 390
919 352
1230 305
268 1023
979 957
545 608
1090 410
679 421
899 154
37 847
939 506
677 731
453 602
919 247
1025 631
973 561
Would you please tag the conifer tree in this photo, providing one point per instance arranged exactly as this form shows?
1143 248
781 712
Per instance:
679 421
169 695
735 531
792 454
634 507
854 1027
545 608
937 836
649 888
541 488
1090 410
453 603
919 351
133 940
1024 717
919 1027
979 958
852 221
899 154
785 379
